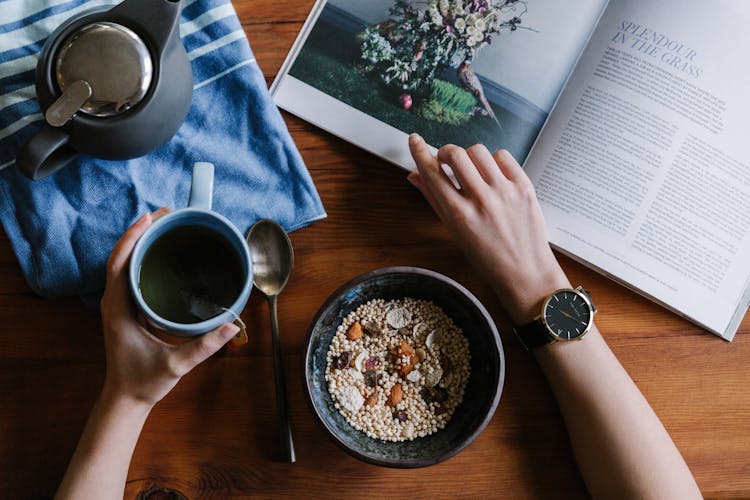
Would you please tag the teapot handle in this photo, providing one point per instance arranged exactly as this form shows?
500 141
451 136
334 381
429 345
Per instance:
45 153
159 19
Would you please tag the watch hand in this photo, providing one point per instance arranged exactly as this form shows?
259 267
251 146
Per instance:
571 317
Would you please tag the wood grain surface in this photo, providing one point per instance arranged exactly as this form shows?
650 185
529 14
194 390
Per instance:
215 435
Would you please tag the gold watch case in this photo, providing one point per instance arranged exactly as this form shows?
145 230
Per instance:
556 336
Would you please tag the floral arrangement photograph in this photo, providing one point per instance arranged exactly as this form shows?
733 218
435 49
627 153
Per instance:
411 65
411 49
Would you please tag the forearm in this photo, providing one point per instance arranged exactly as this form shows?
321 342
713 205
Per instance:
622 448
99 466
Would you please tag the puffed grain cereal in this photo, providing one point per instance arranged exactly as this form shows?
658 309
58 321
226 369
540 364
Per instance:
405 376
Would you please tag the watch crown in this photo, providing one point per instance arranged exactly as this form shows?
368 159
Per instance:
588 295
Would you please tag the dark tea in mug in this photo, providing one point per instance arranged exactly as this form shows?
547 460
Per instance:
190 274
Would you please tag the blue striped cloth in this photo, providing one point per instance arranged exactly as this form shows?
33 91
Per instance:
63 228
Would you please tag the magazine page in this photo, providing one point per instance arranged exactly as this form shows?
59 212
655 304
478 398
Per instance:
643 169
454 71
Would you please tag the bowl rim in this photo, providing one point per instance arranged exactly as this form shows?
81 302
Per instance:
466 441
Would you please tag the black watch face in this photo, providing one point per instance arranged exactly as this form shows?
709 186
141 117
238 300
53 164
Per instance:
567 315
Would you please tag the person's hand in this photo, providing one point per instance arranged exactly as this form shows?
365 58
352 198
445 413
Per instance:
495 219
141 367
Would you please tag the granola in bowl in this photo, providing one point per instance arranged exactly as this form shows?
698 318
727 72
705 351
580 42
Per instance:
397 369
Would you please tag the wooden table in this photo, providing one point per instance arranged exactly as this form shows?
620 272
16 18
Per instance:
215 434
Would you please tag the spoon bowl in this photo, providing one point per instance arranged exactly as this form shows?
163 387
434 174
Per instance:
273 256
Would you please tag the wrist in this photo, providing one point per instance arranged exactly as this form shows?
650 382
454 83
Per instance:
528 296
124 404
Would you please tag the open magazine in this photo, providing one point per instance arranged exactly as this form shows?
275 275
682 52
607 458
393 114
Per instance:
628 115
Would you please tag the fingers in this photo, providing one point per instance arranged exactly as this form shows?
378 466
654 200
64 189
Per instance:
509 166
416 180
189 355
463 168
123 248
116 301
435 179
485 164
155 216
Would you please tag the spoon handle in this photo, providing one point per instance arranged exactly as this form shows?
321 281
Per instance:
285 428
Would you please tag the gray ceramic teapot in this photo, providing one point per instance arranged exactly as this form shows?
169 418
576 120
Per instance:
112 84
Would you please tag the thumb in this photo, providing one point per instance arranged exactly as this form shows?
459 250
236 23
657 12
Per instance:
193 353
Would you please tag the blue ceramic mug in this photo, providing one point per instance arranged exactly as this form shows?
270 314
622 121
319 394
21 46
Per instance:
197 213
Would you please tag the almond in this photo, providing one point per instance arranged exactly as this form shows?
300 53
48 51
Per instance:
371 399
355 331
397 394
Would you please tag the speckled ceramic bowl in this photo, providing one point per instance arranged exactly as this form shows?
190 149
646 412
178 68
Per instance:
482 391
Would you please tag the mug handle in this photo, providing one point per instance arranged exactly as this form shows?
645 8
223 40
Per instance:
45 153
202 186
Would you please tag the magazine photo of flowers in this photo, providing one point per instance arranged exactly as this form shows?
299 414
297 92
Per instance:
454 71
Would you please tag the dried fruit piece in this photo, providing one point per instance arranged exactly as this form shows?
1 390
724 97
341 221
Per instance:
355 331
440 409
396 396
434 394
372 329
372 362
398 317
441 394
404 370
426 394
343 360
400 415
371 378
405 349
392 355
421 354
350 398
371 399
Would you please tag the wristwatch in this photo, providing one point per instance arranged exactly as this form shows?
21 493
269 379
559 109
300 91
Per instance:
566 315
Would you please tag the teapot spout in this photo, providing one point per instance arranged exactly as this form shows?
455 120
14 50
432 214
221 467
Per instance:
157 20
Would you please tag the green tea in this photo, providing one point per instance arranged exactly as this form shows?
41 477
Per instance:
189 274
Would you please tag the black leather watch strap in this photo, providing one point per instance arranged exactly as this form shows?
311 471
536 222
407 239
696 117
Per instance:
534 335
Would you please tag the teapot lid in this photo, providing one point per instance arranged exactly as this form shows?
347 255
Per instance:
113 60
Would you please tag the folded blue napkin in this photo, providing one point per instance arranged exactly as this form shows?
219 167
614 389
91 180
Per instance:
63 228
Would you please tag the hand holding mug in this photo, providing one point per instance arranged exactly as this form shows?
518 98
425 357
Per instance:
140 366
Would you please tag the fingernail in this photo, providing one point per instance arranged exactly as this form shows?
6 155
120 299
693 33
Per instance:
160 213
415 139
411 177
